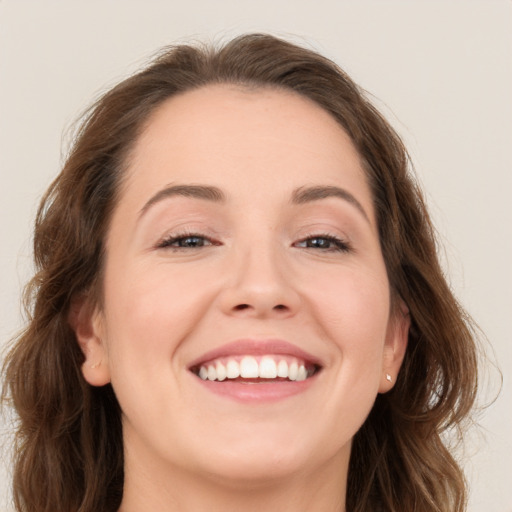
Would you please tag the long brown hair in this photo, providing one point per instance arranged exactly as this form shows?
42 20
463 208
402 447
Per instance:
69 449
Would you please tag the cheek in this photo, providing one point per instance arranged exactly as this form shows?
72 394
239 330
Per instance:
150 310
353 306
352 309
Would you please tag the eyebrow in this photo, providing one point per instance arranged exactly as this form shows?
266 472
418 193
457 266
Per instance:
205 192
305 195
302 195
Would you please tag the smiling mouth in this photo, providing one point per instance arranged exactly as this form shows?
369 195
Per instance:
256 369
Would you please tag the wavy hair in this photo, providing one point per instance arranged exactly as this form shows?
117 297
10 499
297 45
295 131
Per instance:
68 454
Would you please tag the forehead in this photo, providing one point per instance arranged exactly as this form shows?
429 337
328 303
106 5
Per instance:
228 135
243 113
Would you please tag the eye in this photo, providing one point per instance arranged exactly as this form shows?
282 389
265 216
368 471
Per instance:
186 241
328 243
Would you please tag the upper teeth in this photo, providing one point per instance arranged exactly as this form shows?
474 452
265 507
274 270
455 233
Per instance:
248 367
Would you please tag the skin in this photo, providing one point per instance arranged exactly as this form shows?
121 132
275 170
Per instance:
259 275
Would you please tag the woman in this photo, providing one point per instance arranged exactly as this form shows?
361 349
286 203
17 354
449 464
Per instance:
238 303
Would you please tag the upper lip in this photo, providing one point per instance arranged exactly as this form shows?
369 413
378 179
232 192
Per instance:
256 347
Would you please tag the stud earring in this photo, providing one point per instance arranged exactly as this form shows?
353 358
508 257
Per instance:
388 377
95 365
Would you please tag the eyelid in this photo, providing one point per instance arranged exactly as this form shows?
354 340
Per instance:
167 240
342 244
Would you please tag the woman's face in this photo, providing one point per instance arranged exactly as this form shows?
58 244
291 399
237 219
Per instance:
244 240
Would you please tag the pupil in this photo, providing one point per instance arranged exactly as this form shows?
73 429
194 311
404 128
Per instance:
191 241
319 242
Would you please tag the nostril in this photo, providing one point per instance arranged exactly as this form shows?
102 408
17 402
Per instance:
241 307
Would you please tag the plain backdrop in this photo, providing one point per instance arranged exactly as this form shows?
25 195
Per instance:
441 71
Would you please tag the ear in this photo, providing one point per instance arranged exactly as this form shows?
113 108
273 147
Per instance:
86 321
395 345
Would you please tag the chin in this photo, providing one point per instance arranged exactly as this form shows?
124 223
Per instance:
253 471
257 461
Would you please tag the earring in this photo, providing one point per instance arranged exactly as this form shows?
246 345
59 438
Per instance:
388 377
95 365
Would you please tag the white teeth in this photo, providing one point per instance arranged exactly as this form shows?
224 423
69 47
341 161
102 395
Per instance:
282 369
268 368
293 371
232 369
249 368
221 371
212 373
302 373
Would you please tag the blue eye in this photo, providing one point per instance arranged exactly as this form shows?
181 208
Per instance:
188 241
324 243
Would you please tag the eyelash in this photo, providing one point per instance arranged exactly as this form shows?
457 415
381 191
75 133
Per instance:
167 243
339 245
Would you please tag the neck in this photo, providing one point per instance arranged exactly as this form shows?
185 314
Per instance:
169 489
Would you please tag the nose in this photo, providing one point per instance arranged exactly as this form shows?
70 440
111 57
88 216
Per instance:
260 285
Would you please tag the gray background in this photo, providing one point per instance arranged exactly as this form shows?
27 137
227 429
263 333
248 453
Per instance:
440 70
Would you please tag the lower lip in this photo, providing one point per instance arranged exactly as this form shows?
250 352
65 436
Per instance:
251 392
